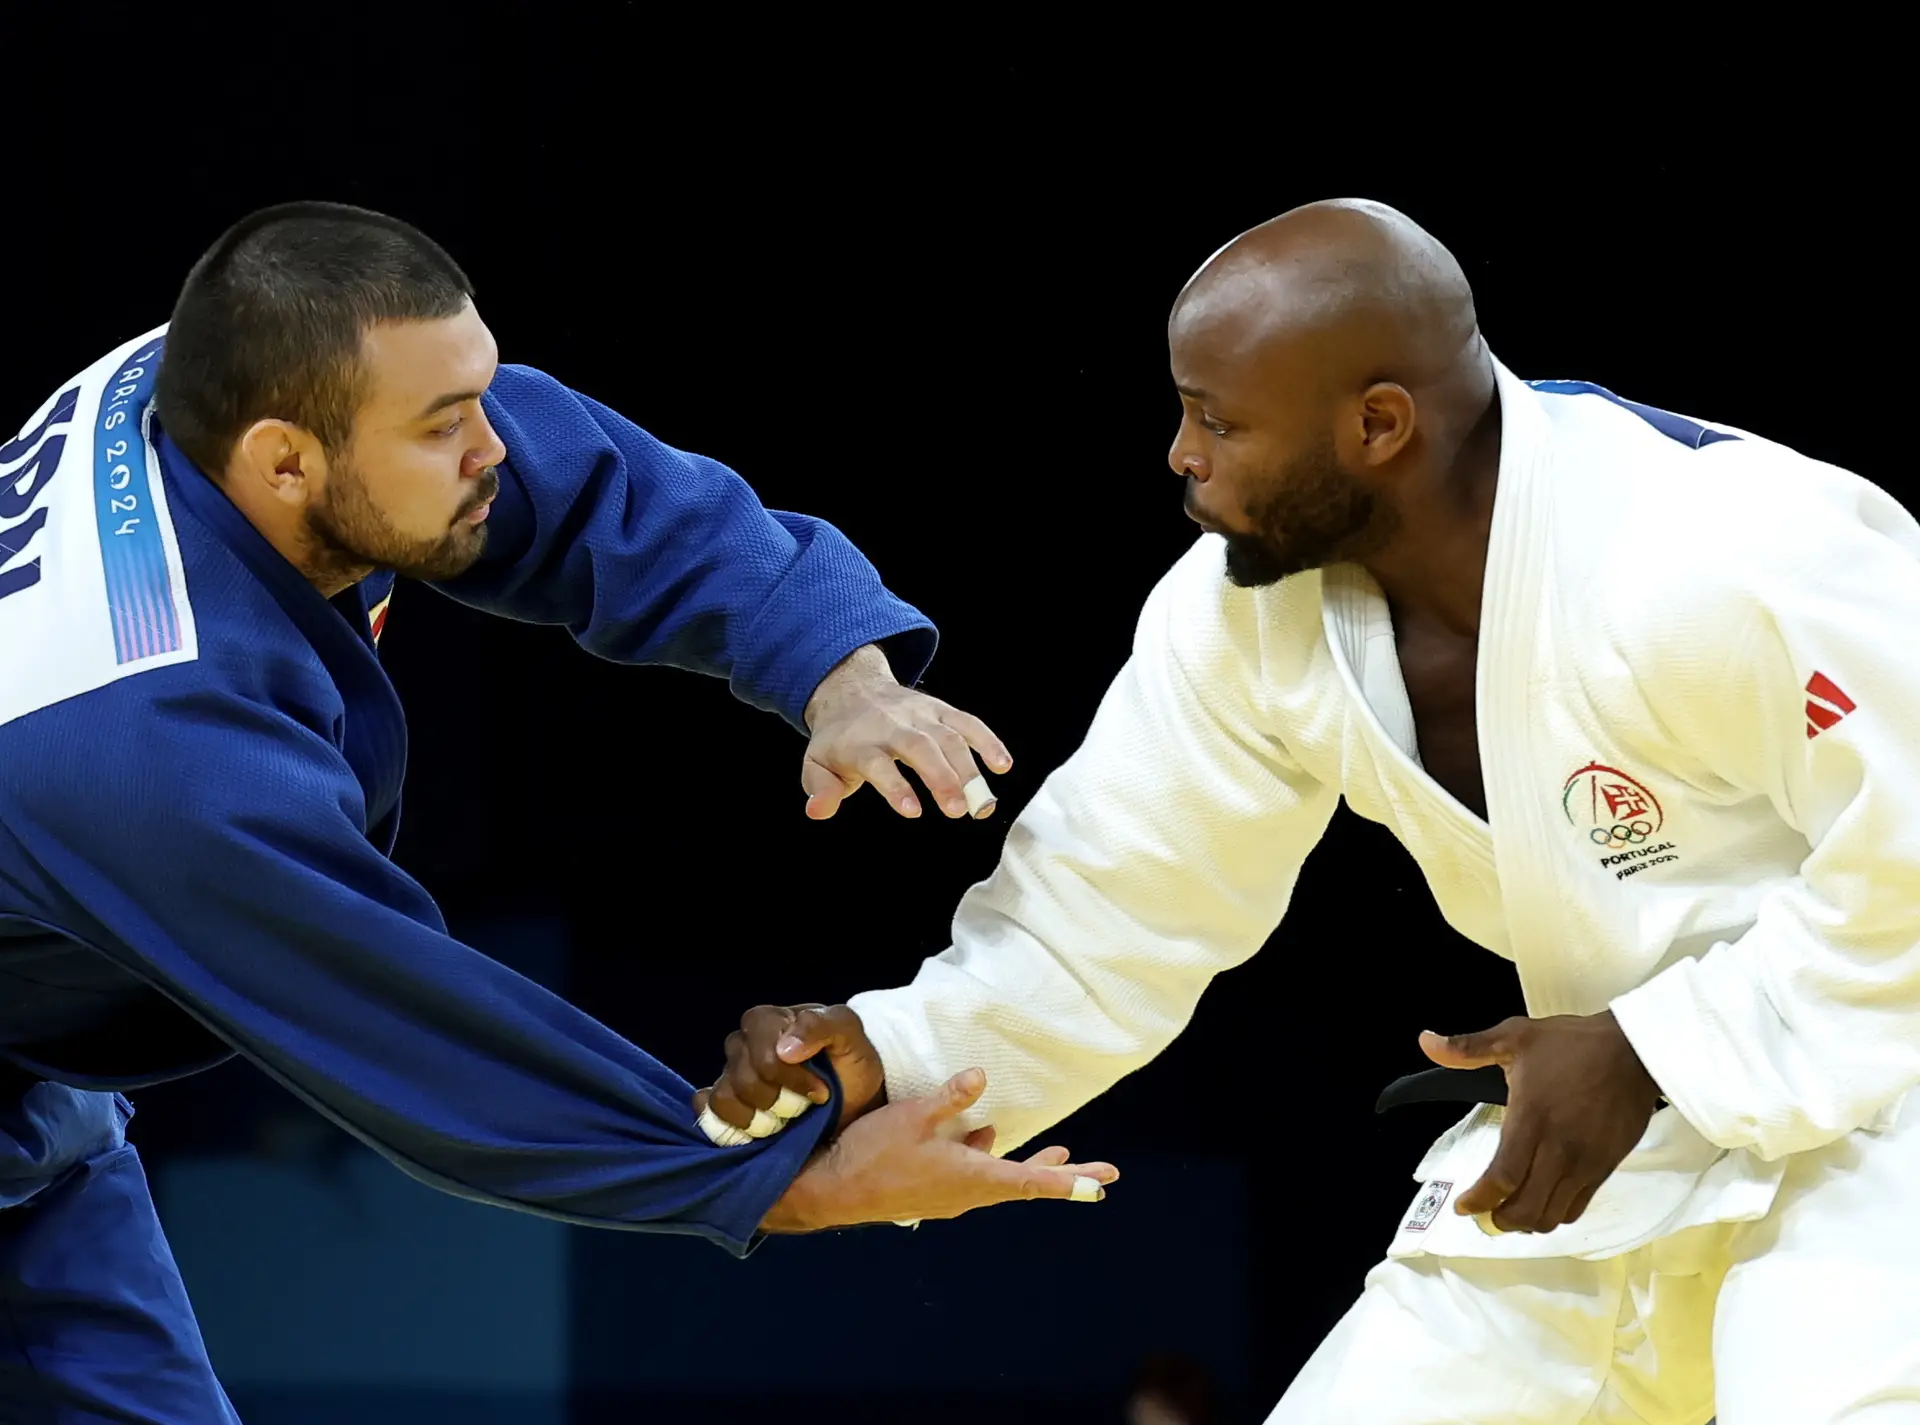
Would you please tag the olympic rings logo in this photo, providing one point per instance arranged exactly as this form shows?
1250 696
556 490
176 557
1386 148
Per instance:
1631 833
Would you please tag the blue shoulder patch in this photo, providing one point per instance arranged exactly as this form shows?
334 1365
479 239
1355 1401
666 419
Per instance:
1688 433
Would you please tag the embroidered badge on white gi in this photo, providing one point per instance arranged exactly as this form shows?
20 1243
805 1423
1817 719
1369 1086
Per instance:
1620 817
1432 1198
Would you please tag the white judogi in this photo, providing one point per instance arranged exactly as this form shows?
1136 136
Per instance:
1699 722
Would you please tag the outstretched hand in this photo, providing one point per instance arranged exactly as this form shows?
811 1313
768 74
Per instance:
863 723
1578 1100
910 1161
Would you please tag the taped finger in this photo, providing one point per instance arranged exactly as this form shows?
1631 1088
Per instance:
720 1132
980 797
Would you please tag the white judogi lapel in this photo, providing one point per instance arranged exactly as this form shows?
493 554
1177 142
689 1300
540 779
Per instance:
1571 935
1527 726
1381 774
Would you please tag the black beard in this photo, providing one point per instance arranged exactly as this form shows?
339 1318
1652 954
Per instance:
349 537
1316 515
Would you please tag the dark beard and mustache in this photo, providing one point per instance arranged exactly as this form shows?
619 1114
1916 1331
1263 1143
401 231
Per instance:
1315 514
347 535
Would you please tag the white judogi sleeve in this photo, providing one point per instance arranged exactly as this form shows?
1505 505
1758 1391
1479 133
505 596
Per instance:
1807 1027
1161 853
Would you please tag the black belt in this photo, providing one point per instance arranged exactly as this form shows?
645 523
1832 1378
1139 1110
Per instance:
1483 1085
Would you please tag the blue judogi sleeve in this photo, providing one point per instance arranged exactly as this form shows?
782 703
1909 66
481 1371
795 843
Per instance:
651 555
215 850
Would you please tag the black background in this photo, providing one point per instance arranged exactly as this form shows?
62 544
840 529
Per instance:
926 300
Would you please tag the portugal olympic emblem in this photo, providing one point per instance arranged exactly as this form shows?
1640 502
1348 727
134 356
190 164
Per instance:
1614 810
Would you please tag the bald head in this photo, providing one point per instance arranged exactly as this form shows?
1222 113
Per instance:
1328 361
1366 291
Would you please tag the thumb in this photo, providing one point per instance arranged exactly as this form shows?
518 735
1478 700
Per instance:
809 1033
1468 1051
957 1095
825 789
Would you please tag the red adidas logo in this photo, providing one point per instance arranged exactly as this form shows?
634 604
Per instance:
1826 704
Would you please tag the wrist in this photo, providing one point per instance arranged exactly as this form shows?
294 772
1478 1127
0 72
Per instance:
865 667
797 1208
1648 1082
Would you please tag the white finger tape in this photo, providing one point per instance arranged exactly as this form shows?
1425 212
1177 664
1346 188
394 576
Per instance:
789 1104
979 796
720 1131
1086 1189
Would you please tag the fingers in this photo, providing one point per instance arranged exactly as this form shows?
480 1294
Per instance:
980 737
1581 1200
1104 1174
1512 1160
1026 1181
1057 1157
745 1100
938 754
943 761
956 1096
726 1135
814 1028
878 769
859 739
762 1030
748 1094
1489 1194
1559 1204
724 1097
825 789
1498 1045
981 1139
1558 1188
743 1075
735 1111
1527 1207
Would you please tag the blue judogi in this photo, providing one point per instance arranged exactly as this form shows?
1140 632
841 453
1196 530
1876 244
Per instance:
200 769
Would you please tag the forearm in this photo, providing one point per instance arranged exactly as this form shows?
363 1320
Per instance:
1754 1060
1064 976
797 1209
275 924
1163 852
649 554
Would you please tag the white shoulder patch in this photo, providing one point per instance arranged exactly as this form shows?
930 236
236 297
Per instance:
91 585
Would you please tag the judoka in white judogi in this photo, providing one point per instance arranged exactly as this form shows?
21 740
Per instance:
1696 705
